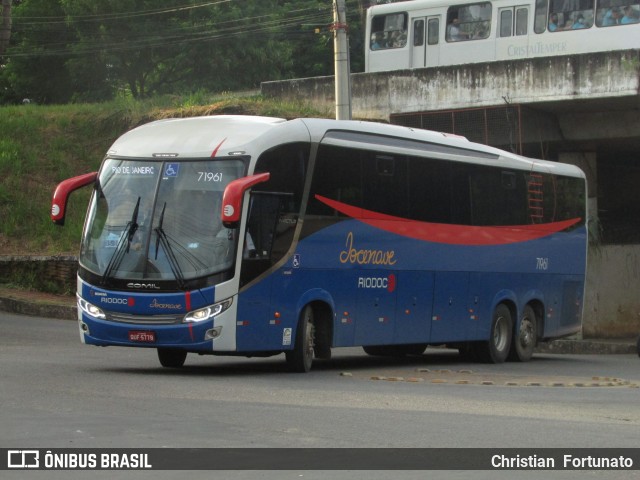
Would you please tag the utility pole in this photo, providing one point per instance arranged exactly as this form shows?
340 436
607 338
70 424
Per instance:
341 60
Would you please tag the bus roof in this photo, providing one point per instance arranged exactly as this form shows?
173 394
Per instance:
193 137
224 135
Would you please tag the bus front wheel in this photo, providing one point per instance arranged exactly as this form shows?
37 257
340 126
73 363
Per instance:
496 349
301 357
171 358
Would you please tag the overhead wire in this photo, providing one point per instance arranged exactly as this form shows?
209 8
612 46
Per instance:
279 26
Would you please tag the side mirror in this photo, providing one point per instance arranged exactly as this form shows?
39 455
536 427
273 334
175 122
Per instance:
232 197
63 190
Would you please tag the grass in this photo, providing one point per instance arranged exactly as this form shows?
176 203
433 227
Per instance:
43 145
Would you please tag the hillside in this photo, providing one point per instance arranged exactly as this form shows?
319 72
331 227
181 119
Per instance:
42 145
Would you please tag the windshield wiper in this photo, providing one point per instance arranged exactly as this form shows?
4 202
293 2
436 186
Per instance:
125 239
161 238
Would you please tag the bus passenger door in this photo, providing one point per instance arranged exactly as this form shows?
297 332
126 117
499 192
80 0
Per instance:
451 320
512 37
413 310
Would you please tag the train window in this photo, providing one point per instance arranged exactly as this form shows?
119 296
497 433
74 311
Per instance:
389 31
418 33
540 24
468 22
617 12
506 27
506 20
574 15
522 18
433 32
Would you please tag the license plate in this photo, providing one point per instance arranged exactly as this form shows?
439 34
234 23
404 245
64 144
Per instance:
142 336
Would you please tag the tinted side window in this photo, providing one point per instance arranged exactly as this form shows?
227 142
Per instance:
498 197
274 209
430 190
562 198
384 185
338 176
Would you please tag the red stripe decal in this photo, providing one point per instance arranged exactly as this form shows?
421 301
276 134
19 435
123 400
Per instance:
187 300
215 150
449 234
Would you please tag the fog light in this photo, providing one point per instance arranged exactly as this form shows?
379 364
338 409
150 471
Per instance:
213 333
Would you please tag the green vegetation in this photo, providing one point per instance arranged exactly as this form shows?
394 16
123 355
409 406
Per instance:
43 145
75 51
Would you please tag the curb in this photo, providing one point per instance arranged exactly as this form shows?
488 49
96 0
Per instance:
589 347
563 346
49 310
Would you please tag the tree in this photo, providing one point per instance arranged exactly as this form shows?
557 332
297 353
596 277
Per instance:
83 50
5 28
125 43
35 60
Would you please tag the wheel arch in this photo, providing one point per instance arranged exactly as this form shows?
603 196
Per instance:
509 299
323 307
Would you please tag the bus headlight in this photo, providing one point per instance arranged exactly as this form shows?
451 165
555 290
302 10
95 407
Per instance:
208 312
90 309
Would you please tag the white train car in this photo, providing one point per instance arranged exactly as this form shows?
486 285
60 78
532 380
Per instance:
431 33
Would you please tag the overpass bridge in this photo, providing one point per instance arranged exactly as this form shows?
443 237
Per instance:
581 109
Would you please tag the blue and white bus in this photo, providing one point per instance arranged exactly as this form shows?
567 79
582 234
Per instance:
234 235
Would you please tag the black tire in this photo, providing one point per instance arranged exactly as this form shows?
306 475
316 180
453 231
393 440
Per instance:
638 346
496 349
171 358
525 339
301 357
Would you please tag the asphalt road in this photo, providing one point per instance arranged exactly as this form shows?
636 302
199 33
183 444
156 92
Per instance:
57 393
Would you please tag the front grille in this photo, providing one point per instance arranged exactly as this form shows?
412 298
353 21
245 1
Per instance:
150 319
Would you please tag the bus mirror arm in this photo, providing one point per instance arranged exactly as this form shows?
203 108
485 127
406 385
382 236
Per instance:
62 192
232 197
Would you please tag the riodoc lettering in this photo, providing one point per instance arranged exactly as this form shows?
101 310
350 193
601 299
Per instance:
388 283
364 282
366 257
117 301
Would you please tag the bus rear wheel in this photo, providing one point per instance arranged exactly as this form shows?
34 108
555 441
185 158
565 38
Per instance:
171 358
524 340
301 357
496 349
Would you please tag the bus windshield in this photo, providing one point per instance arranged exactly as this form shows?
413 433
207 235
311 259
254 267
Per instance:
151 220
